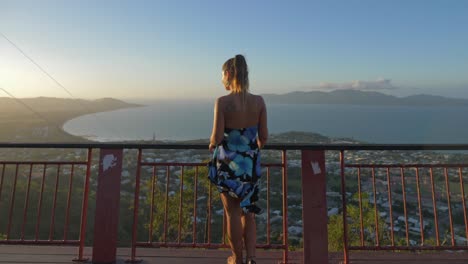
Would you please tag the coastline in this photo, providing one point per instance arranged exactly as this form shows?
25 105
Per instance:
46 123
84 139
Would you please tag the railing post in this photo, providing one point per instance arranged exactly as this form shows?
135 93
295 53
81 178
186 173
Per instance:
314 207
84 206
107 206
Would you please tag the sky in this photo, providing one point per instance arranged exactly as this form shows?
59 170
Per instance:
175 49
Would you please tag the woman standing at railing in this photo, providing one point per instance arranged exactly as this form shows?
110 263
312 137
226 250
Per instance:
239 132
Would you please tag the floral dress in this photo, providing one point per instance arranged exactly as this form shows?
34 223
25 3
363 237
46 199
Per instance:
238 166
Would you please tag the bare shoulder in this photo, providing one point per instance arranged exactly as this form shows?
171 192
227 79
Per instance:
221 102
259 100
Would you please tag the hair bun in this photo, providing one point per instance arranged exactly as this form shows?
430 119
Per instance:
239 61
239 57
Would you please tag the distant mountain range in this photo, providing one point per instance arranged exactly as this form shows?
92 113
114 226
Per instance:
356 97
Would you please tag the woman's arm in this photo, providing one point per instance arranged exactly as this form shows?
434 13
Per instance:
218 125
262 126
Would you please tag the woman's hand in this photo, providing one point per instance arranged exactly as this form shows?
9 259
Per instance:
211 147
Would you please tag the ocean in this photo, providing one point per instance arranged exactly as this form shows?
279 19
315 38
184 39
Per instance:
186 120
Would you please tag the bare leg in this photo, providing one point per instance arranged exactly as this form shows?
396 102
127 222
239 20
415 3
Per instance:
250 234
234 226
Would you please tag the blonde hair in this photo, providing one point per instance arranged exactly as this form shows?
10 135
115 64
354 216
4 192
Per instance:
239 73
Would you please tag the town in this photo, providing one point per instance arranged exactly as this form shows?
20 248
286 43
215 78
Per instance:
373 197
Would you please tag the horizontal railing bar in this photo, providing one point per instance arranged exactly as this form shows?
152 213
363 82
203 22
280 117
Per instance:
186 164
181 245
272 165
282 146
191 164
43 162
406 165
39 242
201 245
408 248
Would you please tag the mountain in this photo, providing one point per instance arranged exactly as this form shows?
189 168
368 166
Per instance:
356 97
52 104
41 119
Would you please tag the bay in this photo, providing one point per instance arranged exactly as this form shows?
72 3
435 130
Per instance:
186 120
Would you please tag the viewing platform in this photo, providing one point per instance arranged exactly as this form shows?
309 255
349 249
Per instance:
152 203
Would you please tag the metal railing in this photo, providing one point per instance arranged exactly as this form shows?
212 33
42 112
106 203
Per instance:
198 171
369 181
38 170
405 200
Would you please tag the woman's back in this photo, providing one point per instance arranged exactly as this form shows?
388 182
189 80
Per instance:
237 111
241 110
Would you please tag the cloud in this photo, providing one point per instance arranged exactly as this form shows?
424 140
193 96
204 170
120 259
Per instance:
379 84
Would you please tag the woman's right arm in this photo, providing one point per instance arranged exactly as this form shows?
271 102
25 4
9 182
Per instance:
218 125
262 124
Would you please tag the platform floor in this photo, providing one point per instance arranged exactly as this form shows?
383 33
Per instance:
14 254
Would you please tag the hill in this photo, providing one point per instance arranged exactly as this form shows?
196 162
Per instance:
18 123
356 97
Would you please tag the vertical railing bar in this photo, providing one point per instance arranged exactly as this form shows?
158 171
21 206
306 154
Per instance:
343 199
67 214
449 205
402 173
84 207
136 204
26 202
1 180
39 207
195 194
361 223
150 231
209 215
285 206
12 202
268 207
180 203
462 188
52 221
224 227
376 213
392 236
418 188
434 205
166 206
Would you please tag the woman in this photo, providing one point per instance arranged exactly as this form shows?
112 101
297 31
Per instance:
238 118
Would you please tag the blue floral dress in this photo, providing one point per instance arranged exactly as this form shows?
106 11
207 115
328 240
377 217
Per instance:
238 166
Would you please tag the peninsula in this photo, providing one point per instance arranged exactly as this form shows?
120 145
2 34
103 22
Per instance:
41 119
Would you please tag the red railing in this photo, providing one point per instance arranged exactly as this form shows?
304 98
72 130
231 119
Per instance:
199 174
31 172
391 185
163 215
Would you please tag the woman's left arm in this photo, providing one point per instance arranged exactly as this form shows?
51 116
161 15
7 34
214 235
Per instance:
218 125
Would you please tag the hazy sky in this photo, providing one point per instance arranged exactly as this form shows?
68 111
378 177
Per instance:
169 49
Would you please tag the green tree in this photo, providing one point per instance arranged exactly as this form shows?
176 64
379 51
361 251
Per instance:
335 226
186 215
